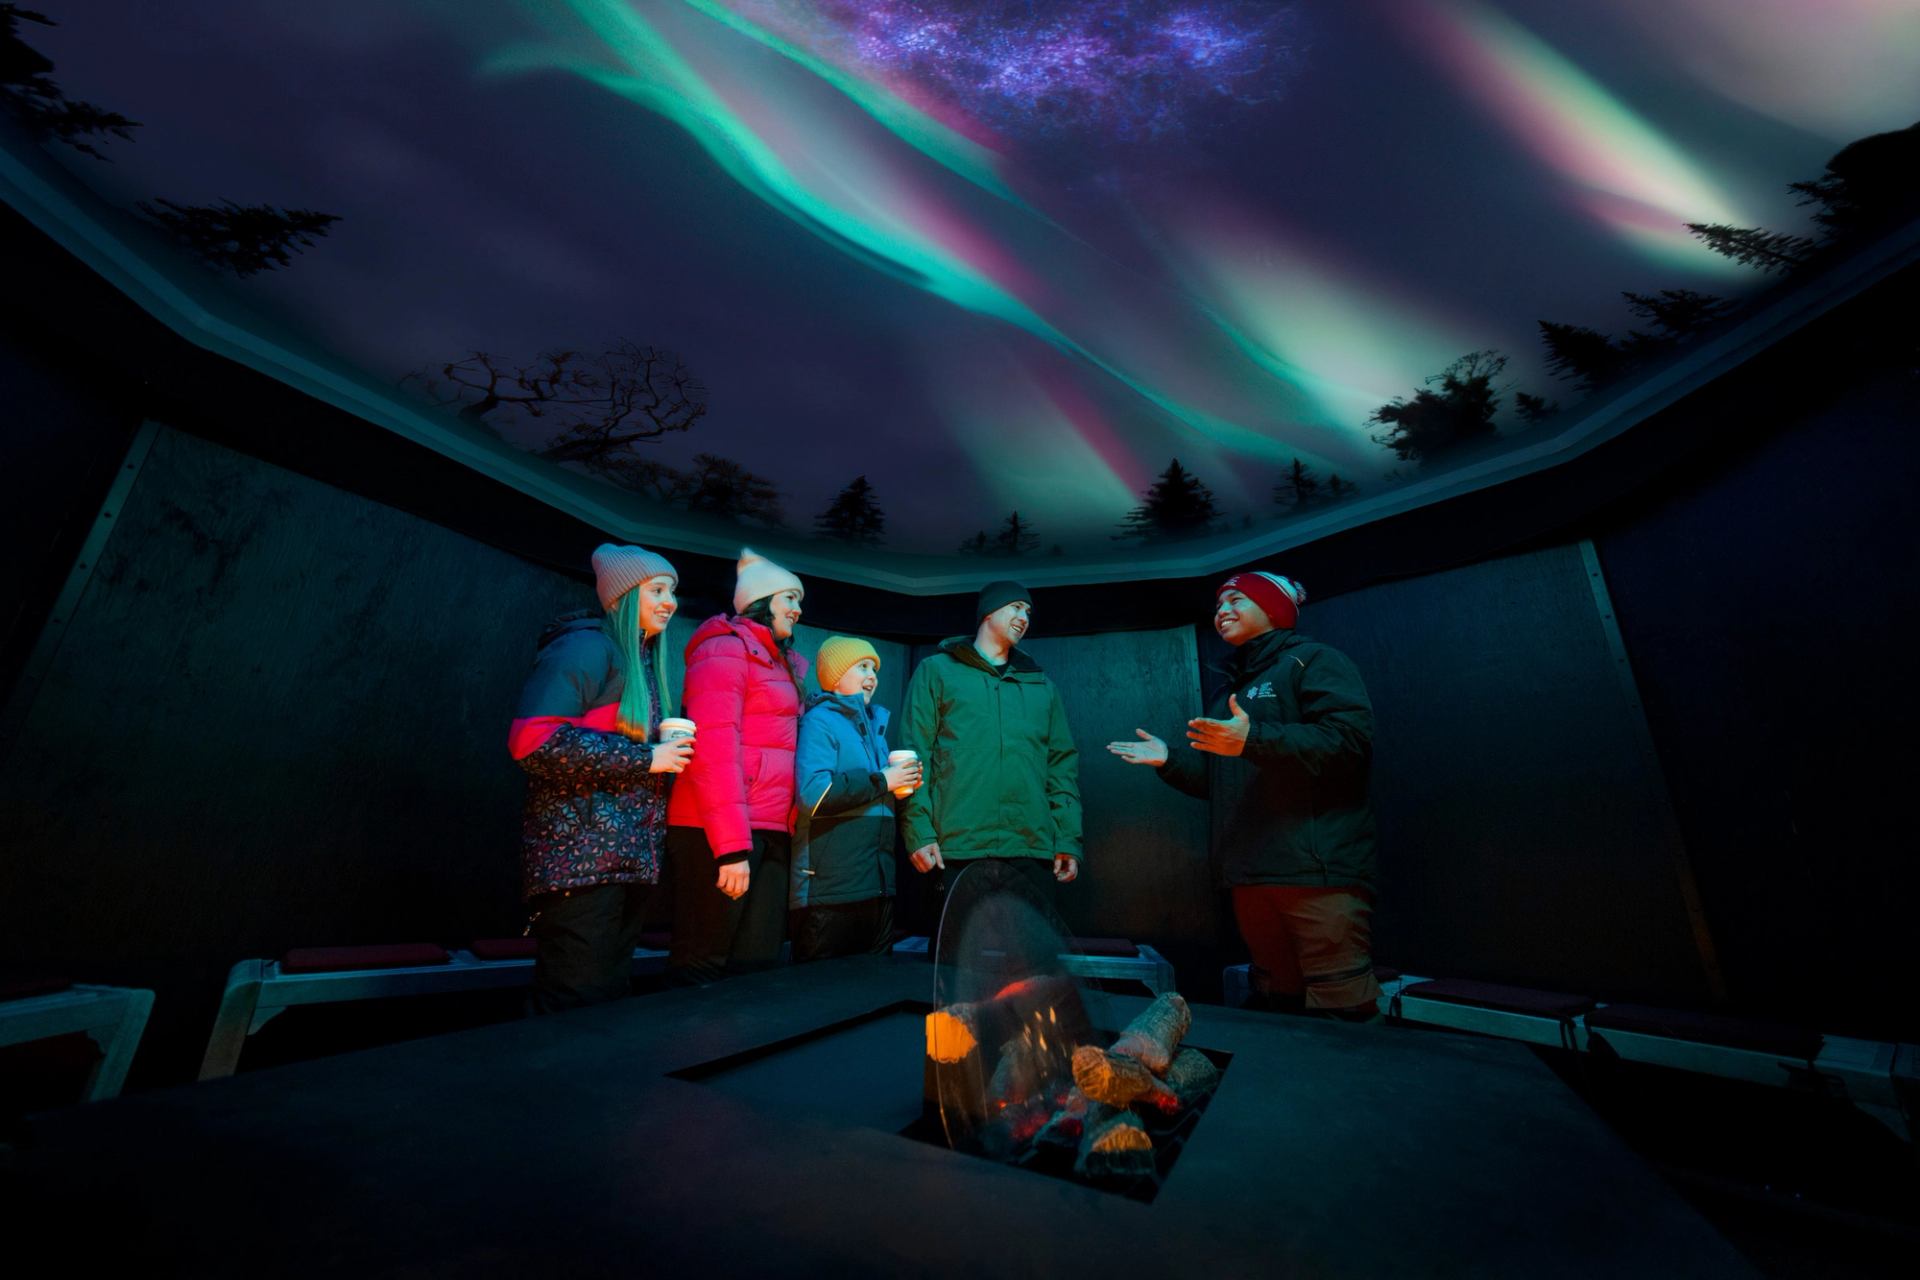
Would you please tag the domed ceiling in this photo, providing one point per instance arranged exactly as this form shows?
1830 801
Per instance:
983 271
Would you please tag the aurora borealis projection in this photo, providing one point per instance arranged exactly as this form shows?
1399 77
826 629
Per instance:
997 256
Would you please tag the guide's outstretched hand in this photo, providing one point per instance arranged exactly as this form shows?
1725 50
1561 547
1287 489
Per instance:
1149 750
1222 737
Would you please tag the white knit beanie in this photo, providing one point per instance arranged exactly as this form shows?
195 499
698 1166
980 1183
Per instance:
617 570
756 576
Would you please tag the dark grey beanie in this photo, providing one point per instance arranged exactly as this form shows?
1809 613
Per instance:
997 595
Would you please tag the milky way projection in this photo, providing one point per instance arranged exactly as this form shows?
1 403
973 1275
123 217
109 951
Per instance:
1108 71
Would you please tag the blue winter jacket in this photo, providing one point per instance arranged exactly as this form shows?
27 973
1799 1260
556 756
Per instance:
843 840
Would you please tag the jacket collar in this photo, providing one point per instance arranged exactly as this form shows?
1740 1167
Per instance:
758 639
577 620
853 707
1261 652
960 649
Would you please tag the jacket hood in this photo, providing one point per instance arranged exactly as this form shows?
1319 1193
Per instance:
960 648
567 623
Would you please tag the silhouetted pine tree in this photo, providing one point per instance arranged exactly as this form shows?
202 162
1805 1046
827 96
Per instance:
1298 488
854 516
31 96
1754 246
1434 421
1678 313
1176 505
1016 537
243 239
1871 182
978 545
719 486
1585 357
1533 410
1337 488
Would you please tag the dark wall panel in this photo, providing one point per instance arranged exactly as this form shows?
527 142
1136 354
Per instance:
1146 868
1769 605
1522 833
277 718
62 439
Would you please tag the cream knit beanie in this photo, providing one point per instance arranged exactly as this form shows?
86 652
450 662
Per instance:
756 576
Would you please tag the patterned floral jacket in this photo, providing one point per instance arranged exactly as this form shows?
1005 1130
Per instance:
594 814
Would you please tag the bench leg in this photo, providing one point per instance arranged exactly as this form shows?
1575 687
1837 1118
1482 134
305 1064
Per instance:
118 1046
234 1021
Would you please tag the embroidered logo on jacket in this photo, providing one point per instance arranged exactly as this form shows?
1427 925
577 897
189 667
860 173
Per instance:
1261 690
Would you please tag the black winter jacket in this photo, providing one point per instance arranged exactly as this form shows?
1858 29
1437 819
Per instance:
1293 807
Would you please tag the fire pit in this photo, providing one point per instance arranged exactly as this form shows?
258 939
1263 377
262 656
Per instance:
1022 1065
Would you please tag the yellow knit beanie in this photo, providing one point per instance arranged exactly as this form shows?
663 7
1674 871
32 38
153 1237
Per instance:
837 656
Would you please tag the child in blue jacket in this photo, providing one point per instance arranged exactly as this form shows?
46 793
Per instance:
842 889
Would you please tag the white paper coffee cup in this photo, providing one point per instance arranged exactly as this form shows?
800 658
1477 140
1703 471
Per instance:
902 757
674 727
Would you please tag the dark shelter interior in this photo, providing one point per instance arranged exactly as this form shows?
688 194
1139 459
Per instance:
1637 663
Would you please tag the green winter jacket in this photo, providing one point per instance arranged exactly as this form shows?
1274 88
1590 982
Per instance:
1293 807
1002 776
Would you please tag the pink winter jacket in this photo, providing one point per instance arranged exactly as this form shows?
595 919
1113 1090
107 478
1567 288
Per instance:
747 713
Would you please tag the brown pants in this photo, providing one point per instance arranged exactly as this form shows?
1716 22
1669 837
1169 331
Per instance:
1309 942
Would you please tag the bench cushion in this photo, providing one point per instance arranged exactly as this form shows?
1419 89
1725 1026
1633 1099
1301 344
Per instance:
504 948
396 955
1104 947
1492 995
20 987
1708 1028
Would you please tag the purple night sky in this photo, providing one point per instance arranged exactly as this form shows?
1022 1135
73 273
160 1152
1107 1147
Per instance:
993 256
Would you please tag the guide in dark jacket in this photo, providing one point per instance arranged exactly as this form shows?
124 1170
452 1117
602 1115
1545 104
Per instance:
1284 758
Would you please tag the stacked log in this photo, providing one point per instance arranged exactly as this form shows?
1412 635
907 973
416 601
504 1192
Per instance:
1153 1037
1118 1147
1192 1078
1116 1079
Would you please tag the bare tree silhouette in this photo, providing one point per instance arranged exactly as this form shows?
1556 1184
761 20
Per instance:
596 407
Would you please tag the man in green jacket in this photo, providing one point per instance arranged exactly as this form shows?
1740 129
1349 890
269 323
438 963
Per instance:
1001 773
1284 759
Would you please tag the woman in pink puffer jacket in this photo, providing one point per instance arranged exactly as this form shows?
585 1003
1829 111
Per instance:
731 814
